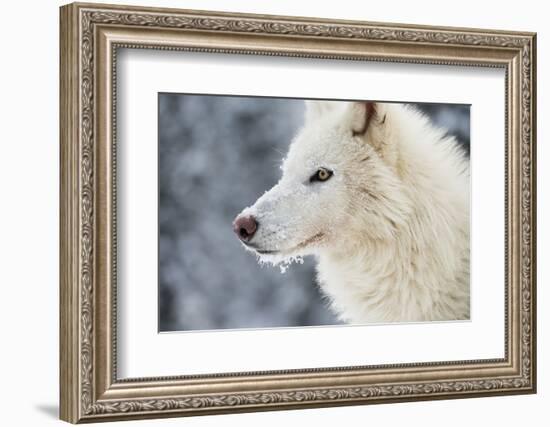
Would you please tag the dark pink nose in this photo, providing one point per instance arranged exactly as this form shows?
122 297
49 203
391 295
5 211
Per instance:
245 227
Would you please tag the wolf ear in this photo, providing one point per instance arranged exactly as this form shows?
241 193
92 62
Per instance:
317 109
362 114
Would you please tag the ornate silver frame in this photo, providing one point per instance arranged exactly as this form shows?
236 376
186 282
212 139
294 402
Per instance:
90 36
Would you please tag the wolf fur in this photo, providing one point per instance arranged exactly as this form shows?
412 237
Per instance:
390 228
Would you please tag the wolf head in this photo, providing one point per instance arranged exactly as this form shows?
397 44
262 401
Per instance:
340 178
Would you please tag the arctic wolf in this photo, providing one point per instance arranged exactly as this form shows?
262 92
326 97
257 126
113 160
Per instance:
381 198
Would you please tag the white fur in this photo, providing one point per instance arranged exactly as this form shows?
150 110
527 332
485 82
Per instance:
390 228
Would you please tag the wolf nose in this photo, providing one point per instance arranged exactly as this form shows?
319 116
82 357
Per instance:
245 227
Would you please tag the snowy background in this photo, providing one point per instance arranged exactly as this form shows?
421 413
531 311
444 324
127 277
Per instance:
217 154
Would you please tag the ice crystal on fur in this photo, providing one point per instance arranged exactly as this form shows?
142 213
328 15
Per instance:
286 263
283 262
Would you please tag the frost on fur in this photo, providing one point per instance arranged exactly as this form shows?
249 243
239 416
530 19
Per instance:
281 261
381 198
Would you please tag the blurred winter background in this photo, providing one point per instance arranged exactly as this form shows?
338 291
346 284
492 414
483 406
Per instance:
217 154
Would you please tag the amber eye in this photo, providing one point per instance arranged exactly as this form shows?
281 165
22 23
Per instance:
321 175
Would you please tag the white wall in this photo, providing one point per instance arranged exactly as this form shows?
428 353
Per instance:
29 212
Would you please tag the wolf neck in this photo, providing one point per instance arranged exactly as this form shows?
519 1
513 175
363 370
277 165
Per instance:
383 282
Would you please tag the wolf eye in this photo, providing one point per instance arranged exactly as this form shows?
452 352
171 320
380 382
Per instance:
321 175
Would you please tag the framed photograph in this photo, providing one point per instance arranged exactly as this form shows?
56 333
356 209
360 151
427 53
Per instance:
266 212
